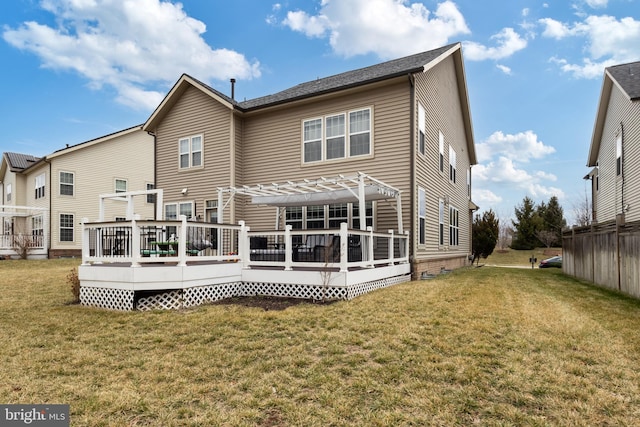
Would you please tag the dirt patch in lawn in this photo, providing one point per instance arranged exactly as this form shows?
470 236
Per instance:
270 303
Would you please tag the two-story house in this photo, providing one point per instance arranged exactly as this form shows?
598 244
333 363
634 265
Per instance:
614 153
47 197
405 122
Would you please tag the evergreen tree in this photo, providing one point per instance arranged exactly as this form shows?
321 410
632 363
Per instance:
553 219
526 225
485 231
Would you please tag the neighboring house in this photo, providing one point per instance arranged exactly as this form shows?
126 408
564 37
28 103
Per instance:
608 251
405 122
55 192
614 153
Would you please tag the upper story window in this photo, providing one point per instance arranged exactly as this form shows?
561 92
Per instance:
190 152
619 155
151 198
337 136
441 151
469 183
121 185
40 182
452 164
66 183
421 129
8 192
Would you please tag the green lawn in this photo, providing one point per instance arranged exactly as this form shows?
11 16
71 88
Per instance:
484 346
521 258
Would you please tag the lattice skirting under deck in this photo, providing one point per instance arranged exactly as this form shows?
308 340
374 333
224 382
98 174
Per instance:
117 299
113 299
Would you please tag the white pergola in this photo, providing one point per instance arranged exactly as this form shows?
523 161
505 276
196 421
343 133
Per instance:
13 211
358 188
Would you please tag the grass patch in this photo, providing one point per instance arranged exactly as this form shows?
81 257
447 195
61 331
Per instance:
520 258
486 346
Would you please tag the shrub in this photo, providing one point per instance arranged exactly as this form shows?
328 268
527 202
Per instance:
74 281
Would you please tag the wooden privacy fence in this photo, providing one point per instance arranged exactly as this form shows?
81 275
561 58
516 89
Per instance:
606 254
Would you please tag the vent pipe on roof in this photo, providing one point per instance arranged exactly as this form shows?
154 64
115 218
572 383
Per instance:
233 89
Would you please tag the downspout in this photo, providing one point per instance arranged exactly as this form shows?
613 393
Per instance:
50 205
619 224
412 166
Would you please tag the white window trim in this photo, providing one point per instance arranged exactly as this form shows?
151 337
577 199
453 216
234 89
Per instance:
422 143
72 185
441 152
347 136
178 206
454 226
191 152
619 171
422 216
115 185
72 228
452 164
8 191
441 222
40 183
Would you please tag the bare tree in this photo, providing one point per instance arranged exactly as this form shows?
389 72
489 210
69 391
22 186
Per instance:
505 232
547 237
22 242
582 211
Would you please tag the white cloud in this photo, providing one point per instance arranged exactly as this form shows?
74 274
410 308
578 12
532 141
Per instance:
504 69
388 28
608 41
130 45
508 43
522 146
484 197
596 4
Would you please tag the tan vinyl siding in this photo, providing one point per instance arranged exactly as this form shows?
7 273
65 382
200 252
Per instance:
438 93
195 113
273 148
95 169
622 116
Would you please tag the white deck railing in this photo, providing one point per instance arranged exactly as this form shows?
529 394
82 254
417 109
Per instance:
139 242
11 241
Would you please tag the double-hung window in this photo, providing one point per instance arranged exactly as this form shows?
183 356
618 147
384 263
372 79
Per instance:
66 227
422 215
441 222
66 183
454 230
421 129
337 136
8 191
121 185
619 155
190 152
452 164
40 185
441 151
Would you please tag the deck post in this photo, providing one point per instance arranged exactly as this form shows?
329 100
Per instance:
243 245
369 247
85 242
135 244
344 244
405 255
391 254
182 239
288 248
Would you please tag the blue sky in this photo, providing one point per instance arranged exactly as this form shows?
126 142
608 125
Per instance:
74 70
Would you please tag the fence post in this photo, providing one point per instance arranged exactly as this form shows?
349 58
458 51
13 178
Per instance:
86 252
344 244
369 241
243 245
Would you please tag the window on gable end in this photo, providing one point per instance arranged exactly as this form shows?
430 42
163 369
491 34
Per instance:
441 151
421 129
619 154
190 151
452 164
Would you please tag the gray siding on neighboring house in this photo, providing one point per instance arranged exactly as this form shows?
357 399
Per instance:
622 116
195 113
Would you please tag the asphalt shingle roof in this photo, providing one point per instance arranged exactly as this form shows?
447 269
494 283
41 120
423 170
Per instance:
385 70
628 77
19 162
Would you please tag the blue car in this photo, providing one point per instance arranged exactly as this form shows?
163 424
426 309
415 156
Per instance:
555 261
